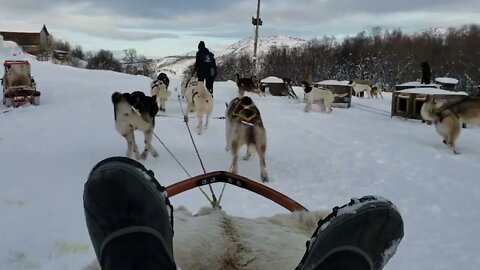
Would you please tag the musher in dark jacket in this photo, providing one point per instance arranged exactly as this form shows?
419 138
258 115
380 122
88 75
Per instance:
205 66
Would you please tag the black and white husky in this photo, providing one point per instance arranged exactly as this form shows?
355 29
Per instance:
159 89
244 126
135 111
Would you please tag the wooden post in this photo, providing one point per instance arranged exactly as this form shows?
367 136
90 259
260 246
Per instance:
257 23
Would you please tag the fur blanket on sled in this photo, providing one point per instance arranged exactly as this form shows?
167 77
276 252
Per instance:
213 240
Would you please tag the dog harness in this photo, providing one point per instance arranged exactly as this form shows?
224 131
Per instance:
245 113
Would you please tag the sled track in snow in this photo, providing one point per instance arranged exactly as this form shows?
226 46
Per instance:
371 110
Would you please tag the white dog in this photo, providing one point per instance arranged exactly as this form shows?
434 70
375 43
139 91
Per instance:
359 88
159 89
199 100
214 240
324 96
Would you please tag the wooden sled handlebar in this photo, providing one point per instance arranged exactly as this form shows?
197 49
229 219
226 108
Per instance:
236 180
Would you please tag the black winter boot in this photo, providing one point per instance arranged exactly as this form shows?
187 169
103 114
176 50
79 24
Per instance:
127 218
361 235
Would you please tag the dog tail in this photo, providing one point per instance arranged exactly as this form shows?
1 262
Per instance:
116 97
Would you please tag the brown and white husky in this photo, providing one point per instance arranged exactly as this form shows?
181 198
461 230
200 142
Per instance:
244 126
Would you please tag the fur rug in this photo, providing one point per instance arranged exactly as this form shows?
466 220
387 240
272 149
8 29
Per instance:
213 240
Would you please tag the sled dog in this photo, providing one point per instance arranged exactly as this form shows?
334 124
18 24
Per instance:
315 95
448 115
199 100
135 111
188 83
250 84
244 126
359 88
375 91
164 78
160 89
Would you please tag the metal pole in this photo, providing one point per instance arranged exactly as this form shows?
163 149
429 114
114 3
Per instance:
257 24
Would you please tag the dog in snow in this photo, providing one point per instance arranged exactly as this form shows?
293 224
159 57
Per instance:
448 115
375 91
244 126
188 83
322 96
199 100
135 111
160 89
164 78
250 84
358 88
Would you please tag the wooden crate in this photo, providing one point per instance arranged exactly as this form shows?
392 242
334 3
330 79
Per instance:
407 103
338 88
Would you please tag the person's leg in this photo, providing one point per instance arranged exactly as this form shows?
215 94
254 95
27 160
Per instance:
361 235
127 218
209 84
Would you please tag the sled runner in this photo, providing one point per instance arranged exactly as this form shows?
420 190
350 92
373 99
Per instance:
19 87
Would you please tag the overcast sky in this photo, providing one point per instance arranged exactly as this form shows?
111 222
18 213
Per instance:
161 28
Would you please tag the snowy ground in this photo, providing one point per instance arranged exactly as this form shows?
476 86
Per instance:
320 160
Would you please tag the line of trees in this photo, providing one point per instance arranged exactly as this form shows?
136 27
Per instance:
387 57
131 63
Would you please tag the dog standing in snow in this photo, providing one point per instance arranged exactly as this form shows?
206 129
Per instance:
244 126
199 100
187 85
135 111
375 91
359 88
250 84
316 95
160 89
448 115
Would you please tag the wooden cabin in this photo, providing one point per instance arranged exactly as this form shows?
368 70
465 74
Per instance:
32 43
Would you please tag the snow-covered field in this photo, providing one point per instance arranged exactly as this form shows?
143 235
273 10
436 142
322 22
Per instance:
320 160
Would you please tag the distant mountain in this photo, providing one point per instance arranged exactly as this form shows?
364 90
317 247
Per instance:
177 64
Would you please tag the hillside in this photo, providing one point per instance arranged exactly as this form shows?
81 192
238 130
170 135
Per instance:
177 64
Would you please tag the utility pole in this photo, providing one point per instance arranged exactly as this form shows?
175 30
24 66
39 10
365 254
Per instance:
257 22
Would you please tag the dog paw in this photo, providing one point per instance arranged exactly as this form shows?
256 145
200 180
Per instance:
227 148
455 152
264 177
246 157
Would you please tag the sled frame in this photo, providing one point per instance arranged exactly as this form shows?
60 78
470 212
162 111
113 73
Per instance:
236 180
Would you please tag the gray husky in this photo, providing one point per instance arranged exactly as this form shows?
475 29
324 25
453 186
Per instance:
244 126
